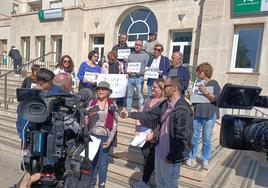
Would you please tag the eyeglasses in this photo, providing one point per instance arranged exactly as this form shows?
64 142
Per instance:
158 49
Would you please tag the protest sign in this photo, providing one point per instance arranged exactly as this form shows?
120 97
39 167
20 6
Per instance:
118 83
151 74
91 76
133 66
123 53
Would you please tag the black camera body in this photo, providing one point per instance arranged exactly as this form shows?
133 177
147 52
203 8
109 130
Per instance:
55 136
243 132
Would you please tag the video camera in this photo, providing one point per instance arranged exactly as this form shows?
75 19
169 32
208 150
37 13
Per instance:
54 136
243 132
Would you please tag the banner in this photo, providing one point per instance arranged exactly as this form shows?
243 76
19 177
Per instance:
134 67
123 53
118 83
241 7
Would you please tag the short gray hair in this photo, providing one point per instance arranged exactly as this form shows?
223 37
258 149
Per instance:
176 81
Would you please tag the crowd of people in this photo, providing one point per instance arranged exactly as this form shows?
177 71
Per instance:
175 123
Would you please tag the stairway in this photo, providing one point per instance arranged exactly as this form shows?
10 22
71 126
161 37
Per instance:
228 168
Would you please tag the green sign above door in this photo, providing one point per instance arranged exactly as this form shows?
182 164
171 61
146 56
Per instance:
249 6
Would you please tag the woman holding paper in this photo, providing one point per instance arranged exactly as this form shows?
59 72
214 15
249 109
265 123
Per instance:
103 124
88 71
148 149
205 114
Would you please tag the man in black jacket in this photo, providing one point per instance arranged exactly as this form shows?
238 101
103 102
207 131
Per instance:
174 135
14 53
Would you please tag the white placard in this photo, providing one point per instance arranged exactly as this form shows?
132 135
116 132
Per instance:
151 74
134 67
93 148
123 53
140 139
118 83
91 76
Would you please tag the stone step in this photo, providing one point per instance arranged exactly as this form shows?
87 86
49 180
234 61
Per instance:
8 113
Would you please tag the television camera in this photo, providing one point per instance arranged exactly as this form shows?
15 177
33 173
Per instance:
54 136
243 132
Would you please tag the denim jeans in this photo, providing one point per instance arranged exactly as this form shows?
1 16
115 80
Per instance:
166 174
207 127
134 82
101 165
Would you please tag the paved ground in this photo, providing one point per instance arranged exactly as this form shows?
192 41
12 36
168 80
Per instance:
10 171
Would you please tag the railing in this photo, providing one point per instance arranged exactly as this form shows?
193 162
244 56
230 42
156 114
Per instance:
26 67
254 112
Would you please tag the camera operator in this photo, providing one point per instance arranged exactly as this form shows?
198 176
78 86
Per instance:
64 81
103 124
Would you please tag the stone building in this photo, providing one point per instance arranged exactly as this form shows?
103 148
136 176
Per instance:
231 35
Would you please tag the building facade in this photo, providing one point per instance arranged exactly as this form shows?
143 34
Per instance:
231 35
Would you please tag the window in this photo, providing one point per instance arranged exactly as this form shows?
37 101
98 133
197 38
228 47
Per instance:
15 8
181 42
25 42
55 4
98 44
138 24
40 47
246 49
57 47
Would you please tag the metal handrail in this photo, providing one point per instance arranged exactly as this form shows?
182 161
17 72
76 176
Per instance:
13 71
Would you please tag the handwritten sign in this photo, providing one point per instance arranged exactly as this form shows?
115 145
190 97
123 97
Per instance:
151 74
118 83
91 76
123 53
134 67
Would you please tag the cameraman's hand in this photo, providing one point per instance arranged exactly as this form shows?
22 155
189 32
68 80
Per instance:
27 180
123 114
106 144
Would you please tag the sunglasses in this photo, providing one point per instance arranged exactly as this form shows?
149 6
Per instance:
157 49
66 61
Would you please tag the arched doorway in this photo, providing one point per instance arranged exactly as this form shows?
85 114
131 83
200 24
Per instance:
138 24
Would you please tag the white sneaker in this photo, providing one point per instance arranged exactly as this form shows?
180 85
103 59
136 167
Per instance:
141 184
191 162
204 165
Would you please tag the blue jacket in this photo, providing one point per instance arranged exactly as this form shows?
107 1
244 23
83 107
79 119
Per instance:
183 73
163 66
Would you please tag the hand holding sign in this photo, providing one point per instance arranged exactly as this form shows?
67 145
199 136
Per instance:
133 67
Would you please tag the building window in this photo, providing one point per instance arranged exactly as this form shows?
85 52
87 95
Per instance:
15 8
55 4
98 44
57 47
181 42
246 49
40 47
25 43
138 24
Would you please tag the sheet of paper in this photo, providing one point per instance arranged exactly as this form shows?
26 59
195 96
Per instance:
93 148
92 77
151 74
140 139
134 67
123 53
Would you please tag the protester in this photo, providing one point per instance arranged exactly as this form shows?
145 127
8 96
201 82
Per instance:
14 53
86 67
148 149
103 125
136 78
66 65
157 63
113 66
122 45
150 44
177 69
174 139
64 81
205 115
28 82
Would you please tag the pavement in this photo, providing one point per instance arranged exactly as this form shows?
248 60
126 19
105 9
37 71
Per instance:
10 172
